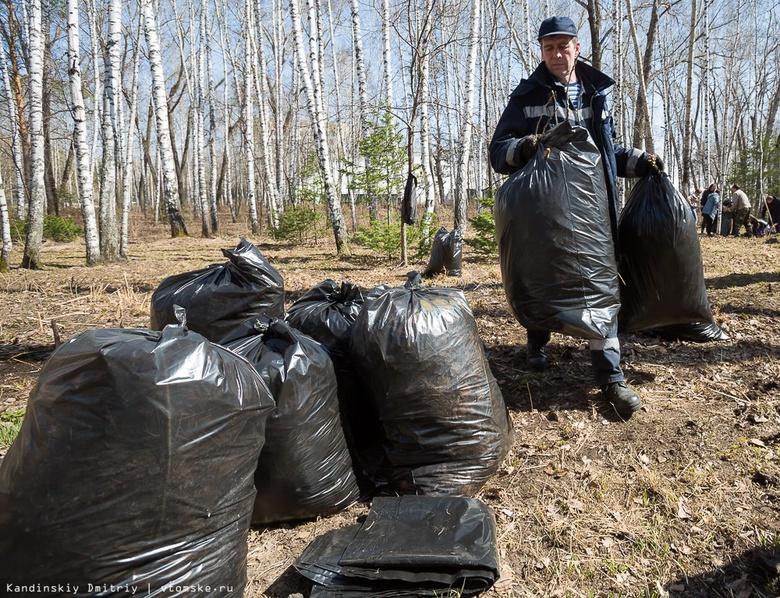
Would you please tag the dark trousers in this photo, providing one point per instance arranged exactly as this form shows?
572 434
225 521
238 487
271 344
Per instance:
742 218
604 355
709 224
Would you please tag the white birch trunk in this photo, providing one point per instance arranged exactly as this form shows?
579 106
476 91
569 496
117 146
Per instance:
160 99
109 234
265 144
387 69
16 139
464 153
212 124
83 166
249 125
5 226
97 101
360 65
127 166
226 108
34 239
313 101
425 127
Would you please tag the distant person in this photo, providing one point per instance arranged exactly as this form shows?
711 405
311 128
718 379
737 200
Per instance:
740 211
711 209
771 212
703 202
693 201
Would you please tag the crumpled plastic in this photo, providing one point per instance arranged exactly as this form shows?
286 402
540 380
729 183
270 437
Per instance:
305 469
218 298
445 425
327 313
134 465
407 546
555 243
662 278
446 254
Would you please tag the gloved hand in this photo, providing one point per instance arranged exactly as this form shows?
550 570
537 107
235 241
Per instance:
655 163
528 145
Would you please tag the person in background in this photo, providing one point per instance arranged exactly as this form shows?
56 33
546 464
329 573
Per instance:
693 201
703 202
564 87
740 211
771 212
711 209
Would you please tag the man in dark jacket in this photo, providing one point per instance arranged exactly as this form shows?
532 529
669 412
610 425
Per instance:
565 88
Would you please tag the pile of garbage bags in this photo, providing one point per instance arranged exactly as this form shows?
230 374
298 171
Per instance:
146 455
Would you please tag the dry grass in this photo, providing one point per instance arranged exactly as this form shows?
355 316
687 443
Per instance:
681 500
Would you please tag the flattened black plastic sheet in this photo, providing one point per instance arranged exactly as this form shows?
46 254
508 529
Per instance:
695 332
446 428
305 469
662 279
407 546
555 243
220 297
134 466
327 313
446 254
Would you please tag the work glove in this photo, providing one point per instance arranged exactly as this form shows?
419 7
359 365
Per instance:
528 145
655 163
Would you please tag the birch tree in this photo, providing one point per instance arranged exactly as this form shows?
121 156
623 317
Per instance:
83 165
16 142
313 89
464 149
160 102
249 120
5 227
109 234
34 238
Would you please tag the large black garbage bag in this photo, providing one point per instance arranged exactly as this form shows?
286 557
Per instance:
446 254
555 243
446 428
134 466
327 314
407 546
220 297
662 279
695 332
305 469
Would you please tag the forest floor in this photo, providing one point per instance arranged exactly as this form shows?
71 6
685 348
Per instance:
683 499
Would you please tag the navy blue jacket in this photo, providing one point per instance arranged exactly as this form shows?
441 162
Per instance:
540 102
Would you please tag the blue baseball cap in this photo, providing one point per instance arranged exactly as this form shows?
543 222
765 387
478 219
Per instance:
557 26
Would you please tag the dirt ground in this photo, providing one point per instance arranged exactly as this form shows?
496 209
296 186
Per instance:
680 500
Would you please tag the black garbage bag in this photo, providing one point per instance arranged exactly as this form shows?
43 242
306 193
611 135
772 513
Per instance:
305 469
134 466
220 297
327 314
555 242
695 332
446 428
446 254
662 279
407 546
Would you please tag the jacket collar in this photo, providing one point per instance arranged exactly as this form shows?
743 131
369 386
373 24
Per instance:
593 80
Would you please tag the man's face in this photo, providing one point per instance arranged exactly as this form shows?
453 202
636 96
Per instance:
559 53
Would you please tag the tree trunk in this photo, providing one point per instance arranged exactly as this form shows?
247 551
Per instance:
249 121
170 184
313 88
464 151
16 141
83 166
5 228
34 239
